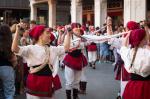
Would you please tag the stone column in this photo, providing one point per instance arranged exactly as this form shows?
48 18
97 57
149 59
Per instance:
103 12
100 10
33 12
76 11
134 10
52 13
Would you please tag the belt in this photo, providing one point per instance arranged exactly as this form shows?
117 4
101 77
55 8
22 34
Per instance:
138 77
44 72
75 53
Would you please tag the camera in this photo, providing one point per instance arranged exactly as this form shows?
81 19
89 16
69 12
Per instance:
21 28
62 31
69 29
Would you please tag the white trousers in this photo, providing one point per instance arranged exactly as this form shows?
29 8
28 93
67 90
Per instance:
92 56
37 97
83 76
72 78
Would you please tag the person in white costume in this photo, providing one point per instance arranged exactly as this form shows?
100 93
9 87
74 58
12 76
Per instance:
136 56
42 80
74 62
122 74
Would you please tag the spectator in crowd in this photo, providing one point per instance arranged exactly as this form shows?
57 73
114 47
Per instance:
32 24
25 40
25 23
7 60
147 29
98 33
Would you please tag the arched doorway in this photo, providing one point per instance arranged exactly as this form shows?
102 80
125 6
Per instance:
88 11
63 15
115 10
42 13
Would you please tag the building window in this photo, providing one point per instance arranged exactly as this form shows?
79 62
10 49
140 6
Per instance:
115 4
88 7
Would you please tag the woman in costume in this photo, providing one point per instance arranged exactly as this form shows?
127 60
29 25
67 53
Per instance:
74 62
136 56
42 80
121 73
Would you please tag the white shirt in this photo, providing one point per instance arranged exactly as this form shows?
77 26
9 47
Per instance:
115 42
36 54
77 42
141 64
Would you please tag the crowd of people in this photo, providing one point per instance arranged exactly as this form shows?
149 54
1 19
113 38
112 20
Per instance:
31 55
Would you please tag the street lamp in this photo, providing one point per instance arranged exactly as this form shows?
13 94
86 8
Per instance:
1 18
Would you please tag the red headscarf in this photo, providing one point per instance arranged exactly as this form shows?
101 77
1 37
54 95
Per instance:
75 25
136 37
91 28
52 37
131 25
83 27
60 27
37 31
81 31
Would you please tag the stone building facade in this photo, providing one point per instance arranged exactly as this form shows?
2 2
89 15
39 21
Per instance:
13 10
60 12
94 11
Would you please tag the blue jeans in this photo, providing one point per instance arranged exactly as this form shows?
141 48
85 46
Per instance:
98 49
8 81
1 91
